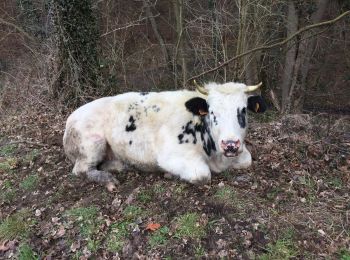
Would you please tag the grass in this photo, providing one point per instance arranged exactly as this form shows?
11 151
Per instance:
8 165
226 194
344 254
16 226
282 248
159 237
117 236
132 212
25 252
188 226
8 150
89 223
32 155
145 196
8 192
29 183
199 252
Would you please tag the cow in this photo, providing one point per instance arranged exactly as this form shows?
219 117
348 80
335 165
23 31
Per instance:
189 134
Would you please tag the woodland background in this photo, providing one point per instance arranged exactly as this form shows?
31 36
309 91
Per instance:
74 51
293 203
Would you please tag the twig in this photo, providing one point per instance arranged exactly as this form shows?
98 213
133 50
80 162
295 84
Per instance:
2 21
267 47
134 23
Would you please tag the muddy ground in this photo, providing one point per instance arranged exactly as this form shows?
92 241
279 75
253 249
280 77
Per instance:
293 203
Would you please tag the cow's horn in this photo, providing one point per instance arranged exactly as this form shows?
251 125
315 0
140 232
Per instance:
252 88
200 89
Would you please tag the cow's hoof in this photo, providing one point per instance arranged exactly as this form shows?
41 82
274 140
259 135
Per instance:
111 186
168 176
201 181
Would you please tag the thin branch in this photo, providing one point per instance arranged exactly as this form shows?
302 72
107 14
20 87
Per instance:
267 47
2 21
134 23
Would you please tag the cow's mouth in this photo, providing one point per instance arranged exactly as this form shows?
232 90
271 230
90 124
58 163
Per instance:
230 153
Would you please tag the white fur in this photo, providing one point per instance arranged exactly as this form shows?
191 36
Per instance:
159 118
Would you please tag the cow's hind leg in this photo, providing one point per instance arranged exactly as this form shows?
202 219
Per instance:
92 153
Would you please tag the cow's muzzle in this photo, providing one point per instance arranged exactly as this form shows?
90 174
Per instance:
230 147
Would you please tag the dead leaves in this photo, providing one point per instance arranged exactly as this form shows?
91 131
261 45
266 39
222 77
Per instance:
7 245
153 226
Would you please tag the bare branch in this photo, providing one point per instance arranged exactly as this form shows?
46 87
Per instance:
2 21
267 47
132 24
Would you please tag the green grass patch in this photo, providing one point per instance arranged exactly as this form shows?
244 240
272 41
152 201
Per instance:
199 251
8 192
32 155
89 223
344 254
159 237
187 226
25 252
226 194
117 236
29 183
132 212
8 165
283 248
16 226
335 183
145 196
8 150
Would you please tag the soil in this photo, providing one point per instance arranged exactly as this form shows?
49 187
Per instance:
292 203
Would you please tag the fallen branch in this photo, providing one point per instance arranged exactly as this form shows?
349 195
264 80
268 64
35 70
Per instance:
267 47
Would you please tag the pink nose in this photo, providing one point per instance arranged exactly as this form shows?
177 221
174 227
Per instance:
230 145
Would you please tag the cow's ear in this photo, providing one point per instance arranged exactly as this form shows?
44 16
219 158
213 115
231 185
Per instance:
256 104
198 106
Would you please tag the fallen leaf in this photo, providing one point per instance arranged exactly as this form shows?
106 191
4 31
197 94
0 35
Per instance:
7 245
153 226
75 246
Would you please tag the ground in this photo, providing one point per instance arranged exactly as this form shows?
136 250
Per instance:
292 203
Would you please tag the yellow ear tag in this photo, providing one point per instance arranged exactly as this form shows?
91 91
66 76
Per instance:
202 112
257 106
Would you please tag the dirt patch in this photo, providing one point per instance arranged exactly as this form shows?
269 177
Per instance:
292 203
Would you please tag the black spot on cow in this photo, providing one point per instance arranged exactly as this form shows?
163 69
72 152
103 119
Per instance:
131 126
144 93
180 137
155 108
130 142
241 116
203 130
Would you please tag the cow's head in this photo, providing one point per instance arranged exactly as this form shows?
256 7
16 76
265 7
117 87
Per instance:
224 107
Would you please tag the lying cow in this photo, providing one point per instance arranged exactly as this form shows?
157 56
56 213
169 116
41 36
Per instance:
185 133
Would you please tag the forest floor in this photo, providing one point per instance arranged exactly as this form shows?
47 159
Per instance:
294 202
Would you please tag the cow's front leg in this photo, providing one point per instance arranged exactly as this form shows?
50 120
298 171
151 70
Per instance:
243 160
195 171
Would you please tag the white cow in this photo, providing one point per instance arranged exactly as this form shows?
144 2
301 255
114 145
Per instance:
185 133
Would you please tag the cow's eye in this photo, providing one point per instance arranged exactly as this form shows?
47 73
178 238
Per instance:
244 110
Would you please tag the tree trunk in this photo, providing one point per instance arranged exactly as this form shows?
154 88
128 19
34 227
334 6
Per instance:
306 49
289 64
159 37
180 49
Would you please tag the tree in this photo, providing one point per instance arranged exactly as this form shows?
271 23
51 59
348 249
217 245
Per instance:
298 54
75 37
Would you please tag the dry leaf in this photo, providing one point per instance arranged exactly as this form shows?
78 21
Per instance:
153 226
